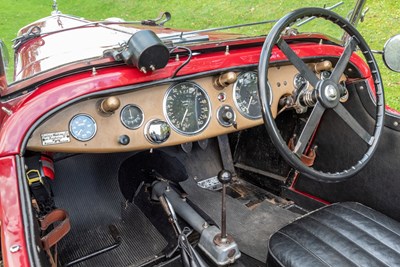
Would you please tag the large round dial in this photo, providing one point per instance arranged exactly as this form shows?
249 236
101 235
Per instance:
131 116
82 127
245 95
187 108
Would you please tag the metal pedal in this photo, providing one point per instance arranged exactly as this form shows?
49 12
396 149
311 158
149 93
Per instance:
211 183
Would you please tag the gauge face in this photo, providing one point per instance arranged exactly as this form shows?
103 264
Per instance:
82 127
187 108
132 117
245 95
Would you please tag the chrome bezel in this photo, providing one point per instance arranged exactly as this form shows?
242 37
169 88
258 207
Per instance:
167 117
244 113
78 138
122 121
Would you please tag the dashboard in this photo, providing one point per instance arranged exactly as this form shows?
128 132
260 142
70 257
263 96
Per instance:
163 115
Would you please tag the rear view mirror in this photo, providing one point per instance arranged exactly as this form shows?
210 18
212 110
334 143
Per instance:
3 66
391 53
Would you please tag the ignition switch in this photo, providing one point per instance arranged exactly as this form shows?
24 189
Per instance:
226 116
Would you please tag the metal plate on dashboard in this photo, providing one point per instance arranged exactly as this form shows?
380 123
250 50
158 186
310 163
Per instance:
55 138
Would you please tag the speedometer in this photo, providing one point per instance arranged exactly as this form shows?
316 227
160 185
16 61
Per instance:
187 108
245 95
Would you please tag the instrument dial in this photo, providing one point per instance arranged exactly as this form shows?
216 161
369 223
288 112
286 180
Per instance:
245 95
132 116
187 108
82 127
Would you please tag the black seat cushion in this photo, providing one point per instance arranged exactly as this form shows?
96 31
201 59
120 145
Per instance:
342 234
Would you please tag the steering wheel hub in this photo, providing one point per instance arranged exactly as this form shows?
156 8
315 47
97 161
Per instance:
328 93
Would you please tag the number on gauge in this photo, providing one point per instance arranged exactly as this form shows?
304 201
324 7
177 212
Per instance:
82 127
245 95
187 108
132 117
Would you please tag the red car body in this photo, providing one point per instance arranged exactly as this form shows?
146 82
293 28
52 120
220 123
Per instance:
48 76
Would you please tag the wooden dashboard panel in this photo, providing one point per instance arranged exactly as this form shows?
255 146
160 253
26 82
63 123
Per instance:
150 100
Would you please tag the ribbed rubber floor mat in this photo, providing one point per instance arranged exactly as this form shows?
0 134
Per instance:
87 187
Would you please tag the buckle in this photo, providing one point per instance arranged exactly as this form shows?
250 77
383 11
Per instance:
33 176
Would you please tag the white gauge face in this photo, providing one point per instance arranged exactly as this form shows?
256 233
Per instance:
82 127
245 95
187 108
132 117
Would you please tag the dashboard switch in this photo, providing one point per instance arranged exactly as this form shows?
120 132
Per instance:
226 116
124 140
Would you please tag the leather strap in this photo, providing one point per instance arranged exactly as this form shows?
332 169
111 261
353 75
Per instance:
54 236
309 158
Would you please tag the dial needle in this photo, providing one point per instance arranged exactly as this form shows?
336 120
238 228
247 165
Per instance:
248 106
184 116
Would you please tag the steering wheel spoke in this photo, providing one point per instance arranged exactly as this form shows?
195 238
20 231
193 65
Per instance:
304 70
344 59
309 129
354 125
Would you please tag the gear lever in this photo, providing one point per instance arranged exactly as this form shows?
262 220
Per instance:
224 177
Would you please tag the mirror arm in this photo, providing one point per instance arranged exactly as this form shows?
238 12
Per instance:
355 17
379 52
357 12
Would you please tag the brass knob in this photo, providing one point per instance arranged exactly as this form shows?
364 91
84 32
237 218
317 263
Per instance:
322 66
110 104
225 79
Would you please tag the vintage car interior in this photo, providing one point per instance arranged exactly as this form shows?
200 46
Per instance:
243 151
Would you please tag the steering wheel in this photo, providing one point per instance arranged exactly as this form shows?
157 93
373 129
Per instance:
326 91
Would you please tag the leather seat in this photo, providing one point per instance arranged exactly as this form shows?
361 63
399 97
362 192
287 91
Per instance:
342 234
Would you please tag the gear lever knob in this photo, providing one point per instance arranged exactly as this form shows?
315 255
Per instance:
224 177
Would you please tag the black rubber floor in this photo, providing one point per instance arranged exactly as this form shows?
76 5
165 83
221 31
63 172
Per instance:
251 228
87 187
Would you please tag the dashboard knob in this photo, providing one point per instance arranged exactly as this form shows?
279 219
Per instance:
124 140
110 104
157 131
225 80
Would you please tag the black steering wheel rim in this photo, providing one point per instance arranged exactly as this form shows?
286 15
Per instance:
272 39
